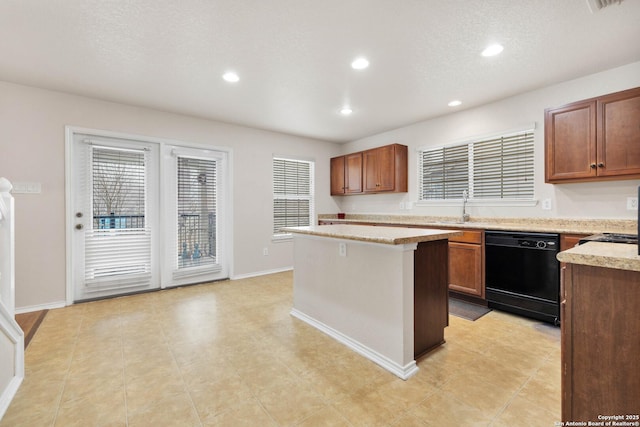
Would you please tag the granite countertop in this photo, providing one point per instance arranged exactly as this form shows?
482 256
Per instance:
375 234
620 256
542 225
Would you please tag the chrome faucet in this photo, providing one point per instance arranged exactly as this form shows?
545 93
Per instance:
465 215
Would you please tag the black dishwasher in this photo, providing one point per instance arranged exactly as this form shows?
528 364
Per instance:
522 274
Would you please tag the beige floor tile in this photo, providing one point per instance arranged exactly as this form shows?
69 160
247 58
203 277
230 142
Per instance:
407 420
364 409
334 382
325 417
99 408
444 409
248 413
279 401
144 393
230 354
488 397
265 374
543 394
522 412
174 411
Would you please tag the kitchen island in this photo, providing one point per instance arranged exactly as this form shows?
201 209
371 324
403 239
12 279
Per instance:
382 291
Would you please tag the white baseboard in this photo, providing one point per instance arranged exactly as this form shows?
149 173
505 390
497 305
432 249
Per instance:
11 340
48 306
8 394
260 273
404 372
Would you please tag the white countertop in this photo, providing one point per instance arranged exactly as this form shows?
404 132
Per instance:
375 234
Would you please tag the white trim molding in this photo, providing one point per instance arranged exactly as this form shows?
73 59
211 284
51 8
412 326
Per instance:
403 372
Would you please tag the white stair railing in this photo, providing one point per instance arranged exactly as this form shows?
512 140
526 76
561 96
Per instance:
11 336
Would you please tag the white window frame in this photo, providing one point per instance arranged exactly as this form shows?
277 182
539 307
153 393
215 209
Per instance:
310 197
455 201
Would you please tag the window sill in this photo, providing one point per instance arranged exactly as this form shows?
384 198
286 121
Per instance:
458 202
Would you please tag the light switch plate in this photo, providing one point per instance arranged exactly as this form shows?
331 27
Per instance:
27 188
632 203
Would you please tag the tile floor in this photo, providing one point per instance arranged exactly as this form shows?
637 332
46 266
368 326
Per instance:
229 353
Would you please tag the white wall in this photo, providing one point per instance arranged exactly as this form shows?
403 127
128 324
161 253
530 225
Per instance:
576 200
32 149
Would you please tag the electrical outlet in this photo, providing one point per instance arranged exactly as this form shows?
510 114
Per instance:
265 251
632 203
342 249
546 204
401 205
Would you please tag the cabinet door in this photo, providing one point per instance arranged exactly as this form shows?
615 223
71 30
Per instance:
370 169
386 165
380 169
353 173
619 133
338 186
465 268
570 142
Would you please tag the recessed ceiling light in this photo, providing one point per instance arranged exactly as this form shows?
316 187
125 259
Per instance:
345 111
360 63
454 103
492 50
231 77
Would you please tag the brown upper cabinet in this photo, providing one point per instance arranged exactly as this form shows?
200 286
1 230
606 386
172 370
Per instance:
594 139
379 170
346 174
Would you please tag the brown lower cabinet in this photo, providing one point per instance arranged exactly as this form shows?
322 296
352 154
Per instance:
600 311
466 265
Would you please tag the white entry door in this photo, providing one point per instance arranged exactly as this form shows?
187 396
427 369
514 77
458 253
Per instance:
114 200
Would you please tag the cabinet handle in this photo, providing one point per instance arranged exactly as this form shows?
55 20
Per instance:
600 165
592 165
563 296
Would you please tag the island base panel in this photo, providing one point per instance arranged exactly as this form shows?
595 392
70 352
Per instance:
431 295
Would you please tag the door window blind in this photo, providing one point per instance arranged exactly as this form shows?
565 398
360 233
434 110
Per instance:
498 167
118 245
292 193
197 212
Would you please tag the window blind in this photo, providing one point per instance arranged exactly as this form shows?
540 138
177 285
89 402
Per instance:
503 167
118 245
197 212
499 167
292 193
444 172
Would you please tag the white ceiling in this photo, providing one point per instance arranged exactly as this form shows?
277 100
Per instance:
293 56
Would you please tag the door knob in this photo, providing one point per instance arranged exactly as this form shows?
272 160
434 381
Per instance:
78 226
600 165
79 214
